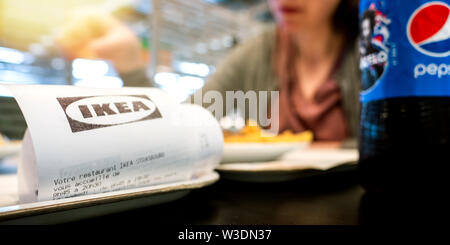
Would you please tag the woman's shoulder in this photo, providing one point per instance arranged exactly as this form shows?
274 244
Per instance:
350 61
348 78
248 65
261 43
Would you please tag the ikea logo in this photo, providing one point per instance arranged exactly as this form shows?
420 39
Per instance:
91 112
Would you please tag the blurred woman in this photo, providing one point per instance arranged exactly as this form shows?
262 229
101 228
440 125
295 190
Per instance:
310 56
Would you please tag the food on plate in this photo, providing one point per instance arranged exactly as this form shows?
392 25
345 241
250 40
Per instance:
2 140
254 134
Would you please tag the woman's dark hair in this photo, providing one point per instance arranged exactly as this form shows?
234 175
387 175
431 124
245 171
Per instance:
346 20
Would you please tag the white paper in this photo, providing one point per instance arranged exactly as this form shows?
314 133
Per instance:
27 171
89 141
322 159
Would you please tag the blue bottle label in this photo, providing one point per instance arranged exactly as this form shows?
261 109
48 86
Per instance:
405 48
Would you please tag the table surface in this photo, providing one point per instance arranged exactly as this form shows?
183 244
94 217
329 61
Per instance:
332 199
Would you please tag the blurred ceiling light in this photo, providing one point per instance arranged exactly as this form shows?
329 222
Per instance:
29 58
215 44
83 68
201 48
198 69
19 77
178 87
4 92
100 82
47 40
166 78
11 56
37 49
227 41
177 94
58 63
191 83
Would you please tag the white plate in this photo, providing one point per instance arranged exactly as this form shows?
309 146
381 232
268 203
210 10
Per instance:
257 152
9 149
77 208
293 165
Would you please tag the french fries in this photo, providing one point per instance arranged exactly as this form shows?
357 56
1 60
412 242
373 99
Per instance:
254 134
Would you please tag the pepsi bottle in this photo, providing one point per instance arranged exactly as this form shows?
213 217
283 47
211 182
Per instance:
405 98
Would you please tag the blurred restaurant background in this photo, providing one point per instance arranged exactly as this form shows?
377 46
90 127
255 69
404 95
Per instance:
182 43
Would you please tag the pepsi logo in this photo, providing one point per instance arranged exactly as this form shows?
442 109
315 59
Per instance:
428 29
